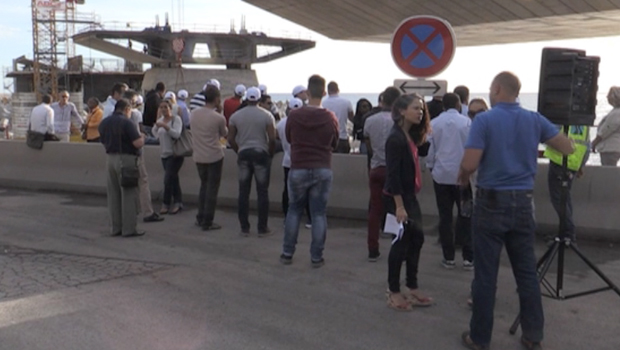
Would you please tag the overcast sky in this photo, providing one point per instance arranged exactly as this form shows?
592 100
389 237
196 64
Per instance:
357 67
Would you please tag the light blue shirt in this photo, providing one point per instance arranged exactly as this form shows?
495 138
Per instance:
449 134
183 112
108 107
63 115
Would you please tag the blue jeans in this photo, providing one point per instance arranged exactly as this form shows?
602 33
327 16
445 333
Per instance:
554 179
254 163
314 184
504 217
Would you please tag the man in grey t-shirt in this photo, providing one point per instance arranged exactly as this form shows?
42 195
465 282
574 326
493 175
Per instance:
252 135
376 131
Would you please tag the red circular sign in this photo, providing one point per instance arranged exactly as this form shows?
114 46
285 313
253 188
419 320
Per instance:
423 46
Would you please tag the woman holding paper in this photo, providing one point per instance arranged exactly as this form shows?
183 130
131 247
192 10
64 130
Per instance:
403 182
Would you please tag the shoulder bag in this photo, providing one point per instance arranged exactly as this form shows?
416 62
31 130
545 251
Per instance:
34 139
129 172
183 145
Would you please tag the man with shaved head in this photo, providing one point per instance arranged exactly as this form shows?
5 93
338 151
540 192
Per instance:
503 147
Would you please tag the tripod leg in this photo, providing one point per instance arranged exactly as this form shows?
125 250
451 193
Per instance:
544 262
595 269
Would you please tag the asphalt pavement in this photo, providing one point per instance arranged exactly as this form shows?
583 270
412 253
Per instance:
65 284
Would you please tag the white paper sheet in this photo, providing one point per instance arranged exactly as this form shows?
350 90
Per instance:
393 227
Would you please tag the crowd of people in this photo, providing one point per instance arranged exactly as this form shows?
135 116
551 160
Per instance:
482 160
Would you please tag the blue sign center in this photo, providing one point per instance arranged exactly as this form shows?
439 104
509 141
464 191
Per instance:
422 46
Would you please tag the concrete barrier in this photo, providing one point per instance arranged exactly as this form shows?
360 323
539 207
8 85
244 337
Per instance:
79 167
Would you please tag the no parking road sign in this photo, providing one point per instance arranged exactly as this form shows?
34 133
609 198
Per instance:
423 46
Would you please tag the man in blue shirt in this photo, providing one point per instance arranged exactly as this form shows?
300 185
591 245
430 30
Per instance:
450 131
503 147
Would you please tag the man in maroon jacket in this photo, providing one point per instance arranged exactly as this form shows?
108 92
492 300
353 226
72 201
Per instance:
312 132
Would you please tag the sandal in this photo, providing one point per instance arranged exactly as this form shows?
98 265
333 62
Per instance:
530 345
176 210
418 300
163 211
470 343
395 306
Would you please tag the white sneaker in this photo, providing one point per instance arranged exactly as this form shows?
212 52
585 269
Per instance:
448 264
468 265
308 226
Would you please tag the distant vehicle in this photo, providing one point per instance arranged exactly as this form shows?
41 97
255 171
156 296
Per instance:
261 34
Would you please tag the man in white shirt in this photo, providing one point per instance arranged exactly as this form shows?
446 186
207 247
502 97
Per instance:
117 93
449 134
42 117
146 204
64 113
343 109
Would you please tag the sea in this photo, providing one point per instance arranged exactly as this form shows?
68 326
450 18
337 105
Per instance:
527 100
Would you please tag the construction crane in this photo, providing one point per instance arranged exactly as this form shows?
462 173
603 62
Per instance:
53 25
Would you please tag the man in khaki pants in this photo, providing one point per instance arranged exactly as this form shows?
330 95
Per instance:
122 144
146 206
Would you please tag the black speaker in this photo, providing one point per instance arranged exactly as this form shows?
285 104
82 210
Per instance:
568 86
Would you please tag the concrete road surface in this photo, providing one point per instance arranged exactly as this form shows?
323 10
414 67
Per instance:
65 285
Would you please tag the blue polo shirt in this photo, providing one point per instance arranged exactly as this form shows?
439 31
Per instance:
509 136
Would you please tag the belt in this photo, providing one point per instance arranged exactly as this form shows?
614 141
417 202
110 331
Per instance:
483 192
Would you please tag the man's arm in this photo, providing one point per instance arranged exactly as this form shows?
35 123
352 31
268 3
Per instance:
76 115
562 144
139 142
350 115
49 119
469 164
232 134
271 134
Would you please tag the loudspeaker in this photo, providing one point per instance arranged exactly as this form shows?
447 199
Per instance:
568 86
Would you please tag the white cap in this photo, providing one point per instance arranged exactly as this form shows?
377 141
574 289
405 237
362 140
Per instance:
213 82
298 89
262 88
295 103
252 94
240 90
183 94
139 100
169 95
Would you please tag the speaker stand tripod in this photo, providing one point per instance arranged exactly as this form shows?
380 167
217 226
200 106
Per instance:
561 243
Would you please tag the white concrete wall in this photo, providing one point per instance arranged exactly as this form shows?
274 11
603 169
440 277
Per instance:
79 167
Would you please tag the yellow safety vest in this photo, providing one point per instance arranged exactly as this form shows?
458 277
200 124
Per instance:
581 135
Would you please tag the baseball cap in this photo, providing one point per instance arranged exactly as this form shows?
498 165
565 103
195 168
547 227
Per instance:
213 82
240 90
295 103
298 89
252 94
262 88
183 94
139 100
169 95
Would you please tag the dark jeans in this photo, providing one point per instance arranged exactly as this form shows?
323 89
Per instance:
210 175
343 146
285 198
504 217
254 163
447 196
376 212
172 186
408 247
304 184
555 192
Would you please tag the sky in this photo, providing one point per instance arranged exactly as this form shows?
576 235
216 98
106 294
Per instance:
357 67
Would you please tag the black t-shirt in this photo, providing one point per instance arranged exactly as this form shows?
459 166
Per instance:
118 134
151 105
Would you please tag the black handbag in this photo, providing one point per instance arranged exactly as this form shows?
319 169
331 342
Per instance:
34 139
129 175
